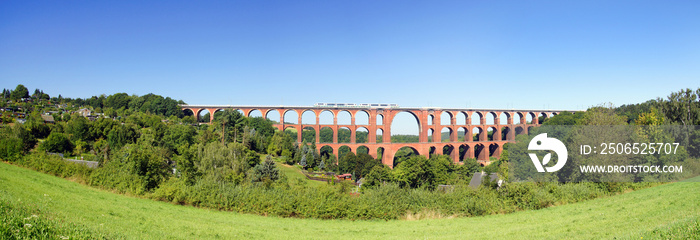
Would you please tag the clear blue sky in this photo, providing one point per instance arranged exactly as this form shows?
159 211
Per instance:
478 54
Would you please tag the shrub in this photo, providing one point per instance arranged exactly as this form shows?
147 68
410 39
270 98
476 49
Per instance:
135 169
57 143
11 149
55 165
266 171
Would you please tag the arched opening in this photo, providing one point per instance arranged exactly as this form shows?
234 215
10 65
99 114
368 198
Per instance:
491 131
477 150
518 130
476 118
187 112
431 150
529 130
203 116
431 120
308 118
516 119
326 135
447 150
380 153
255 113
344 135
403 154
462 134
446 134
362 149
463 150
491 118
476 134
529 117
325 118
505 134
327 152
430 135
405 128
504 118
273 115
218 113
361 135
361 118
542 118
446 118
344 118
308 135
493 149
291 117
380 119
291 132
461 119
343 150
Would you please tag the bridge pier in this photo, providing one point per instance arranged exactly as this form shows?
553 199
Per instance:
479 149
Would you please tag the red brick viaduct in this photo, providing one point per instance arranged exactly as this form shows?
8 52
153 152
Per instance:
378 120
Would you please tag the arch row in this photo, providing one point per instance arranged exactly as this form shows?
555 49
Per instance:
480 129
458 152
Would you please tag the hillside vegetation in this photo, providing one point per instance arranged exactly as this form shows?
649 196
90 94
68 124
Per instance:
668 211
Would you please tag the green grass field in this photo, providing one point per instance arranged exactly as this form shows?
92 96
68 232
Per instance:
666 211
294 174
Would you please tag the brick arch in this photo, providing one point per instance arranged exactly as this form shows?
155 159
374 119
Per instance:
284 114
339 112
301 116
481 115
250 111
353 116
508 132
387 114
431 134
450 116
354 134
187 109
508 115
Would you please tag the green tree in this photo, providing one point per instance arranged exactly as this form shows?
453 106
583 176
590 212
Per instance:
57 143
11 146
186 164
564 118
35 124
20 92
121 135
177 136
79 128
378 175
682 107
231 123
266 171
117 101
347 163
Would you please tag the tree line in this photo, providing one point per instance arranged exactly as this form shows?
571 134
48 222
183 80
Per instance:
167 156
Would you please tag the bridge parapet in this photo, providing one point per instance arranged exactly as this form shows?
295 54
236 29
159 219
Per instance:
506 124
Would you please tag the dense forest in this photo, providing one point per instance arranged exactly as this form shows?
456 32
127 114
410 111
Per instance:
146 146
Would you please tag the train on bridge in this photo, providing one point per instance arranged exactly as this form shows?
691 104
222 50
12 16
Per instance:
359 105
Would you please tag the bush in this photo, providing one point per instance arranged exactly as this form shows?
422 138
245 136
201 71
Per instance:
134 169
57 143
11 149
56 165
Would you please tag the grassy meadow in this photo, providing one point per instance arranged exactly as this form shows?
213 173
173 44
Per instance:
666 211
